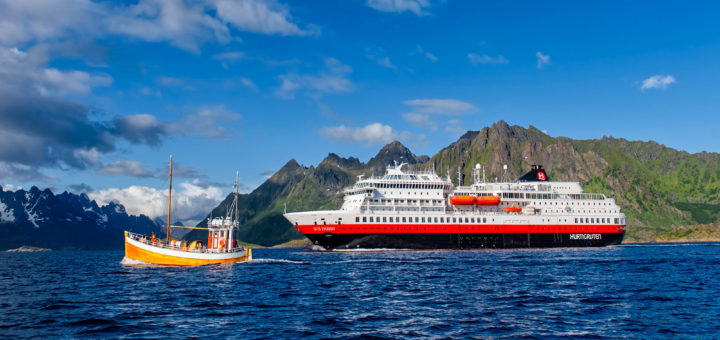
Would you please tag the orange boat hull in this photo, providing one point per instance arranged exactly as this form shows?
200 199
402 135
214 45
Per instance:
145 253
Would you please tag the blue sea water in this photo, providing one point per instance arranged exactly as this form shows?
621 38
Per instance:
645 291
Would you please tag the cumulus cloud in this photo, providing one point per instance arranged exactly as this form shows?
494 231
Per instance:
542 60
27 72
191 200
657 82
441 106
416 7
186 24
332 79
27 21
371 133
486 59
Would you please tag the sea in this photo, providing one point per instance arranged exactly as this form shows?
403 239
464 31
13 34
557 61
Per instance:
633 290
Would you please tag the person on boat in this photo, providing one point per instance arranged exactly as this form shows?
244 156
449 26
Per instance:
234 243
154 239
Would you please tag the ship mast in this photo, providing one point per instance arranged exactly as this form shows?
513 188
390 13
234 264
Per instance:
169 201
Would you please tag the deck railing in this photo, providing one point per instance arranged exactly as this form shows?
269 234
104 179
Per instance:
146 240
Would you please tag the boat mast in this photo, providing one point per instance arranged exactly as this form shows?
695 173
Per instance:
237 191
169 201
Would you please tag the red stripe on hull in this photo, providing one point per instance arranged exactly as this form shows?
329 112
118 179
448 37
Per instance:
385 228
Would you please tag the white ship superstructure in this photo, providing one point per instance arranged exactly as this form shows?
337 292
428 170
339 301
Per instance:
422 210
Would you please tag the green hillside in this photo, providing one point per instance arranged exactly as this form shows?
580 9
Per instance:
659 189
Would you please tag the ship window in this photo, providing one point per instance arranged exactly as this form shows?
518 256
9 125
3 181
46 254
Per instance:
357 218
484 219
436 220
466 220
442 219
384 219
403 219
454 220
371 220
364 219
423 220
391 219
417 219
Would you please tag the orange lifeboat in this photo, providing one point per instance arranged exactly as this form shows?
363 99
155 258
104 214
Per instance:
512 209
488 200
462 200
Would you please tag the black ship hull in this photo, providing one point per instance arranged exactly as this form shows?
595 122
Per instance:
463 241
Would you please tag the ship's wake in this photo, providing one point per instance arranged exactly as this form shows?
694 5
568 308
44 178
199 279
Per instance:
277 261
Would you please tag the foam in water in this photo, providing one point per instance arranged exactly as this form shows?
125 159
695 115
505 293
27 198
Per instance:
277 261
130 262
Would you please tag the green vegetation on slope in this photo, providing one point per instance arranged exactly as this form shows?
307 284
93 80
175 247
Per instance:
658 188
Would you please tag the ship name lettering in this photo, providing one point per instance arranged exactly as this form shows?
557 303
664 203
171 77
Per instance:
586 236
324 228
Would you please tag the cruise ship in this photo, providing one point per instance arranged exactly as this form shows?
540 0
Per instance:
421 210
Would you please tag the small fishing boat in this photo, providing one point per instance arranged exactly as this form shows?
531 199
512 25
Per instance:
222 245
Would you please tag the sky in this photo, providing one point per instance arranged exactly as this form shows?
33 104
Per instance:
96 95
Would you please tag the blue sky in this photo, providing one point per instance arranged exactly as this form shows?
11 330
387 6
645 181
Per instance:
94 96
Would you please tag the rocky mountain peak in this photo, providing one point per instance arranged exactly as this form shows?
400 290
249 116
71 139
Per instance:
347 163
393 152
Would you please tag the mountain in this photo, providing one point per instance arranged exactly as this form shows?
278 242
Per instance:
660 189
301 188
65 221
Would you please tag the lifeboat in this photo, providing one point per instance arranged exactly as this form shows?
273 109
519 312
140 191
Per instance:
512 209
462 200
488 200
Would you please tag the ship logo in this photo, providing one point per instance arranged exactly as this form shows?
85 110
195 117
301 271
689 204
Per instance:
541 176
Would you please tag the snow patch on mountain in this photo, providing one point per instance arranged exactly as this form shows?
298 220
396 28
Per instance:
6 214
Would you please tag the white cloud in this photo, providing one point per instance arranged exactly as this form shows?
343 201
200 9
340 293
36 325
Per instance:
26 71
227 58
267 17
420 120
424 53
375 55
385 62
332 79
657 82
542 60
248 82
187 24
371 133
441 106
207 121
184 25
486 59
73 82
191 201
126 168
416 7
27 21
